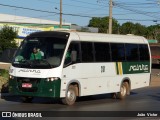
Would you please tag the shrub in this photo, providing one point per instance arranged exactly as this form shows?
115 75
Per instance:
4 75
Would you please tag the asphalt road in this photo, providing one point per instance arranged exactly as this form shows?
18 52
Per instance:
143 99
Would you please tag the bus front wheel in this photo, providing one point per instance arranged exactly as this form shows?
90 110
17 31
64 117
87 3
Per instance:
70 97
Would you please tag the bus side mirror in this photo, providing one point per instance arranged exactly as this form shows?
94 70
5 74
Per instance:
74 56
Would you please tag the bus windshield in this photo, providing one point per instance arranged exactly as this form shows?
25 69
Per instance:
44 52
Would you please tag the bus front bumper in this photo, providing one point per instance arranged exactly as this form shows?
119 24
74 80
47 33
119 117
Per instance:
35 87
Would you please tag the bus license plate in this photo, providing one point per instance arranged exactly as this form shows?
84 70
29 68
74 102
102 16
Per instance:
26 85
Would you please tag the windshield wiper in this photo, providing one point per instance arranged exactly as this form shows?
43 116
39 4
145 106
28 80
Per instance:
26 62
33 63
45 61
41 63
22 63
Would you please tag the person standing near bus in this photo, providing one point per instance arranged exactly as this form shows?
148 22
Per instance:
35 55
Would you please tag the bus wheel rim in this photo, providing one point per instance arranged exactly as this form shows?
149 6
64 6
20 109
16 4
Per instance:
71 95
123 90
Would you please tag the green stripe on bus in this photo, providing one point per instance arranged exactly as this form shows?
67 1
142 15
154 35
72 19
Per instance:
135 67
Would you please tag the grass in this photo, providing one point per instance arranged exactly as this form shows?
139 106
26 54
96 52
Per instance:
4 75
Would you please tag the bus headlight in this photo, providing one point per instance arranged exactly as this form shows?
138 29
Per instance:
52 79
11 77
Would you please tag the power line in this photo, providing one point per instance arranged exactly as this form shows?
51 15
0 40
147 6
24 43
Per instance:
88 16
92 9
136 19
27 8
87 3
134 10
69 14
135 3
86 7
46 1
138 4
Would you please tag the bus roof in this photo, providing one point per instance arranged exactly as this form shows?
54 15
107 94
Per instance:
94 37
99 37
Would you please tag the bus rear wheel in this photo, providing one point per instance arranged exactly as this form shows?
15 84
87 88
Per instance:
123 90
70 96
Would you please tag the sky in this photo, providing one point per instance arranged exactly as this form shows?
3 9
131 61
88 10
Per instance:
145 12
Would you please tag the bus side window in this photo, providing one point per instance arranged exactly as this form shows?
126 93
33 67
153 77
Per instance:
144 52
72 55
87 52
132 52
118 52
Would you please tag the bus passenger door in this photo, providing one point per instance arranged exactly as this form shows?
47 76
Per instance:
72 58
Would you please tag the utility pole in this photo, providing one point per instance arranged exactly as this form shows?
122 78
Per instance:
110 16
60 21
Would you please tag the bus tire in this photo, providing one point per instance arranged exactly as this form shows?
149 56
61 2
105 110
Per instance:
26 99
70 96
123 91
128 88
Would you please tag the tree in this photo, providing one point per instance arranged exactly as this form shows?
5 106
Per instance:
102 24
7 38
140 30
131 28
154 32
151 32
127 28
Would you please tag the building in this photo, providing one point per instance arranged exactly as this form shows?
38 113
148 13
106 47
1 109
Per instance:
84 29
27 25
